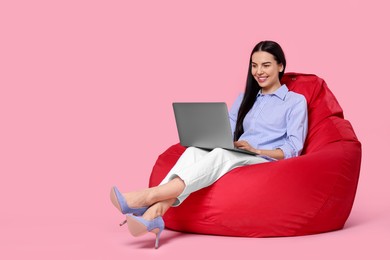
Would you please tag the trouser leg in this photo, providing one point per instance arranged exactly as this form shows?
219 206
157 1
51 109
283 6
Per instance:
190 156
207 168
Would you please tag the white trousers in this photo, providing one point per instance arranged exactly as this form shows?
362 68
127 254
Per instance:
199 168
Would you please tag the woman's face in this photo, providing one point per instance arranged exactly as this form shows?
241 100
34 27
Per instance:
266 70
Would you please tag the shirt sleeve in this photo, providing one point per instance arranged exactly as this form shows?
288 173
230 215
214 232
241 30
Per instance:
233 112
297 125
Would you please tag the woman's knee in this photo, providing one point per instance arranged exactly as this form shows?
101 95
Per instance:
193 150
219 150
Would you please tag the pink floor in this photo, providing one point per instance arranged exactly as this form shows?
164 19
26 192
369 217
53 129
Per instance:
97 236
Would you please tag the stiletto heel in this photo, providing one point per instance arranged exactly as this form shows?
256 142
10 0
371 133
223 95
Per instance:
157 239
139 226
120 203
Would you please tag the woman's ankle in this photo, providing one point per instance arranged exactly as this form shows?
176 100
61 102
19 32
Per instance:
153 212
158 209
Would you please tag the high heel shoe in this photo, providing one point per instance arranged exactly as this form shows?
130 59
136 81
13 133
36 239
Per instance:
139 226
120 203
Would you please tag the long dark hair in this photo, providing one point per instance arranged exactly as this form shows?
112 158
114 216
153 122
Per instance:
252 87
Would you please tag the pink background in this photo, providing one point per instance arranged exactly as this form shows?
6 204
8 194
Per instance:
85 103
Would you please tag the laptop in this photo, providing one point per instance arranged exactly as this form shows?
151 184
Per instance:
205 125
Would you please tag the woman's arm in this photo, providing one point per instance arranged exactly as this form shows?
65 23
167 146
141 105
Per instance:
276 153
297 127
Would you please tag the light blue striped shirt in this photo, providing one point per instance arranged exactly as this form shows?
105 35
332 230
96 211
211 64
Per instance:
276 120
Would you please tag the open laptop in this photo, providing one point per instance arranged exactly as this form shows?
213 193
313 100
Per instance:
205 125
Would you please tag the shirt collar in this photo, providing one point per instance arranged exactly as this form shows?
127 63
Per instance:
280 92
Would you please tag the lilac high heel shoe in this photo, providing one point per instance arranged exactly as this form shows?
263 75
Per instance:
139 226
120 203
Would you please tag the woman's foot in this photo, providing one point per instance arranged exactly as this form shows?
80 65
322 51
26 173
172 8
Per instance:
138 226
120 202
150 196
137 199
151 221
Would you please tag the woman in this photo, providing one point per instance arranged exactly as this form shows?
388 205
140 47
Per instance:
267 119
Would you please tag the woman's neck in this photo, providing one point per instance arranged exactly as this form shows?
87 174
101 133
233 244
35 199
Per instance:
270 90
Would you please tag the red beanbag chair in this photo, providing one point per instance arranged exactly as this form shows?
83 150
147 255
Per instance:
308 194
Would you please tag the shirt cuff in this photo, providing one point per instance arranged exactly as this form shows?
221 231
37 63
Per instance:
288 151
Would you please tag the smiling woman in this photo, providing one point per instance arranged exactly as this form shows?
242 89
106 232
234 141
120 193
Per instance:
268 120
260 118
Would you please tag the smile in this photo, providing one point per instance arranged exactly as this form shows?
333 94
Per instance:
261 79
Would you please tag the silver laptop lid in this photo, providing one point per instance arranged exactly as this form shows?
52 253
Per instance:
204 125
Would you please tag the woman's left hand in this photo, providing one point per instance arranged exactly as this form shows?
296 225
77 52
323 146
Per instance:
242 144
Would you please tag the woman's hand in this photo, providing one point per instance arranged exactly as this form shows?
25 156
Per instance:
245 146
276 153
